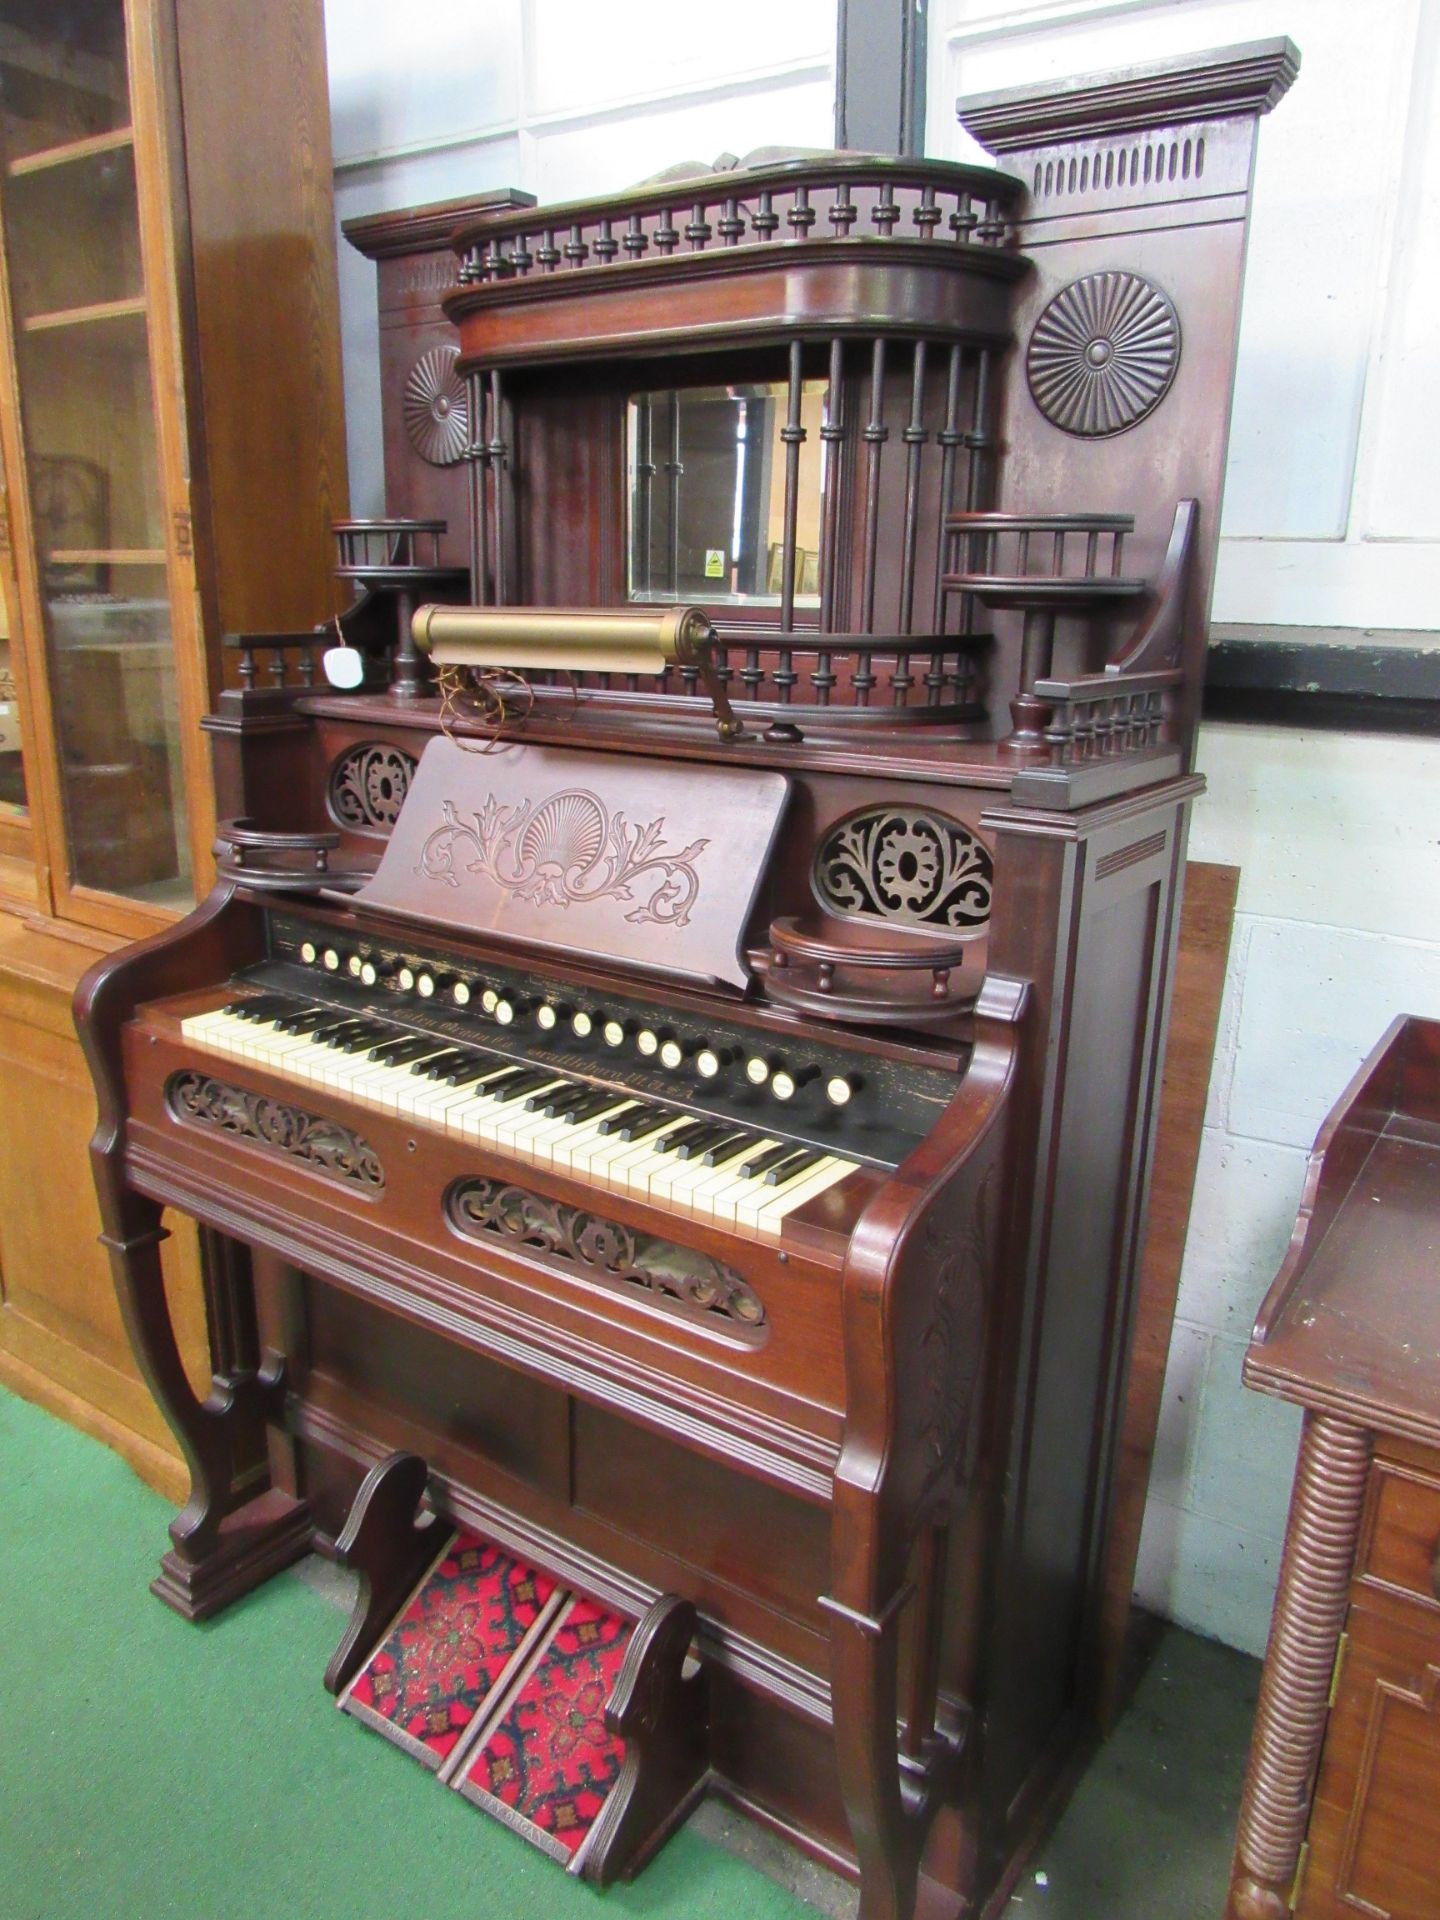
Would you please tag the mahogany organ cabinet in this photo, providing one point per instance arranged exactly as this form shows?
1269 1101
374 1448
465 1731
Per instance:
670 1063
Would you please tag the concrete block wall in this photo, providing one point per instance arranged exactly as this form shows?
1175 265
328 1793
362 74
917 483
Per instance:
1337 837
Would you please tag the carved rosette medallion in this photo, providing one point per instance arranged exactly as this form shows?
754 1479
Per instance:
435 408
323 1145
675 1277
904 864
368 785
566 851
1103 354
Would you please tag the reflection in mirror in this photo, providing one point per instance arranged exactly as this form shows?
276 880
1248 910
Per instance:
706 471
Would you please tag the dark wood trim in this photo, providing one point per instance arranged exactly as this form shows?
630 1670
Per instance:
880 63
1249 78
380 236
1373 679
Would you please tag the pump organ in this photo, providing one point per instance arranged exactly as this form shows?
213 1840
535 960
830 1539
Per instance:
706 1117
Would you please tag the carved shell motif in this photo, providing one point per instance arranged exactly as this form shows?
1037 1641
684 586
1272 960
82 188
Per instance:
1103 354
437 416
565 834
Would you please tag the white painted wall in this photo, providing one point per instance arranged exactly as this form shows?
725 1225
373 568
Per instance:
439 98
1332 516
1332 497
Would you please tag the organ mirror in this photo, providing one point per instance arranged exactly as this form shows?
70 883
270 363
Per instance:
705 476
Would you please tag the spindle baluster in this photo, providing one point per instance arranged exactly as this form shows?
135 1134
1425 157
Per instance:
915 437
832 436
876 433
792 434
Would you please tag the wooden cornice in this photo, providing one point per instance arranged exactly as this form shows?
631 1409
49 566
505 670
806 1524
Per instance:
1225 84
427 229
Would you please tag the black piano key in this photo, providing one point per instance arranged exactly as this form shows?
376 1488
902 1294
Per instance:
360 1038
697 1144
339 1032
792 1169
262 1006
399 1053
642 1110
637 1126
719 1156
304 1021
502 1078
528 1080
480 1074
439 1064
762 1162
682 1135
544 1101
581 1105
593 1103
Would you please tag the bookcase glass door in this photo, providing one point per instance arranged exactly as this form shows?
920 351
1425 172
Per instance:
97 506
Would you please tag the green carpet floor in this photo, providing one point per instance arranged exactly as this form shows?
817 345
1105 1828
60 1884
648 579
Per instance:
149 1768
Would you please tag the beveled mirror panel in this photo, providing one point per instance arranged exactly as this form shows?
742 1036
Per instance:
706 489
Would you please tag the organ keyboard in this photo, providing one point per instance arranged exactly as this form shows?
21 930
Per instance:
709 1161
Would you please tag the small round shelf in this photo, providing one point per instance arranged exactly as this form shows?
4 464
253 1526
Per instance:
806 971
267 862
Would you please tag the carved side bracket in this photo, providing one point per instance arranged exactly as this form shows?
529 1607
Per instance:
382 1542
659 1708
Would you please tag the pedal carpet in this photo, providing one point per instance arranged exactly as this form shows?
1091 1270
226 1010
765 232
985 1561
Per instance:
449 1647
549 1761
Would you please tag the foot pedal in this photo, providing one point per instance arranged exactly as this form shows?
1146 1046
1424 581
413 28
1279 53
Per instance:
580 1728
473 1614
547 1763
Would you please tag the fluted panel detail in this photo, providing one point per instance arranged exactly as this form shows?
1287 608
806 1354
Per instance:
1310 1606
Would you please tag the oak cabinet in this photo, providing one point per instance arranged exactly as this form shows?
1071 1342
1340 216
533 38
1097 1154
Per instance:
172 441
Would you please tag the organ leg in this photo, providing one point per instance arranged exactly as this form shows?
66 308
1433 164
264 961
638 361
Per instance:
234 1530
864 1700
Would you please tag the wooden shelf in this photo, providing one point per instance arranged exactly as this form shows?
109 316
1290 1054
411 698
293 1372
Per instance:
105 556
71 150
82 316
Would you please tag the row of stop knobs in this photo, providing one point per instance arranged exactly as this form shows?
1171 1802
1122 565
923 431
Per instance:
671 1051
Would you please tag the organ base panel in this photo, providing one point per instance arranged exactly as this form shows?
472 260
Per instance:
666 1076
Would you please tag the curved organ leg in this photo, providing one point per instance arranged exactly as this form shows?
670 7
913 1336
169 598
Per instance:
229 1536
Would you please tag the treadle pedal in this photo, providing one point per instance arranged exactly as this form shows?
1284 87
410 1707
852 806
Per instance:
579 1728
475 1612
546 1761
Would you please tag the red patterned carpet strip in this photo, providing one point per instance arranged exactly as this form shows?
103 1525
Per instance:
547 1762
474 1616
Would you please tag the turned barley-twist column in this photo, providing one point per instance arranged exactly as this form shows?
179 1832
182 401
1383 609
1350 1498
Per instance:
1310 1608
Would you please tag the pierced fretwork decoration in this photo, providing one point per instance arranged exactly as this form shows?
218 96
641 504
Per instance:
904 864
689 1283
368 785
322 1144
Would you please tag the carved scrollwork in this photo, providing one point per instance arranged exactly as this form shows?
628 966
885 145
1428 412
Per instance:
324 1145
951 1351
903 864
1103 354
368 785
565 851
435 408
678 1277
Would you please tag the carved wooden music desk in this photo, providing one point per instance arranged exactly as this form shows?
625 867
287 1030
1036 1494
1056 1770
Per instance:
1341 1813
668 1072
